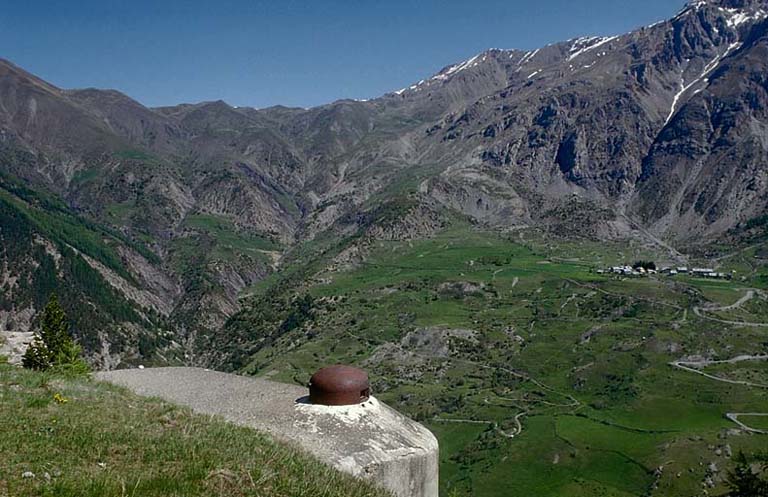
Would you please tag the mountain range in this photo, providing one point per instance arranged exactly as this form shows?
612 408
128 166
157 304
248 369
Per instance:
154 222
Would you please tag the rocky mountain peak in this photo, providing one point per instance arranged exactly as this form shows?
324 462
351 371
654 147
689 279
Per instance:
728 4
750 8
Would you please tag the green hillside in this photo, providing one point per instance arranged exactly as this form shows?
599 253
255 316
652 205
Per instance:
50 250
538 375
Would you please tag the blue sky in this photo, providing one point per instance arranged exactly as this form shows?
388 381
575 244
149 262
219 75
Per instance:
291 52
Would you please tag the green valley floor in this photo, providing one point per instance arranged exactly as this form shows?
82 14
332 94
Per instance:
539 375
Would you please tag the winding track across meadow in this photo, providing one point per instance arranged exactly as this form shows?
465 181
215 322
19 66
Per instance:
734 416
690 366
751 293
694 366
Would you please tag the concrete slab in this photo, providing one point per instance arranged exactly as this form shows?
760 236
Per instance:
368 440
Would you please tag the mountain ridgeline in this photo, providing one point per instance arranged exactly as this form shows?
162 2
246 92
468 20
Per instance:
147 219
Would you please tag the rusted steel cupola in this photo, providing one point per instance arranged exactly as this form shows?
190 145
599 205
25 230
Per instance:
339 386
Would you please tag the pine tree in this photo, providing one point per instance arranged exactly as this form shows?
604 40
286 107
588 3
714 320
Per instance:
37 356
52 346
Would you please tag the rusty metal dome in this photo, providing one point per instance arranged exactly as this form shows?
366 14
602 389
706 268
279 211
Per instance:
339 386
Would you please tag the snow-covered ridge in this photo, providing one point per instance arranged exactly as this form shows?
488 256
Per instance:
586 44
447 72
450 70
735 17
691 7
455 69
579 47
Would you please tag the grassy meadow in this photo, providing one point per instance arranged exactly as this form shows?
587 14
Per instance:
539 375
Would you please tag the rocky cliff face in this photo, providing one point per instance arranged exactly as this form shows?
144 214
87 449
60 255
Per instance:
597 117
708 165
663 128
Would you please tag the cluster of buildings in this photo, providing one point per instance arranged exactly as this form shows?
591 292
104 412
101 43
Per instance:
627 271
701 272
670 271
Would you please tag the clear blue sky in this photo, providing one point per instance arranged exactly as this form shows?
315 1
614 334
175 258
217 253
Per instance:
291 52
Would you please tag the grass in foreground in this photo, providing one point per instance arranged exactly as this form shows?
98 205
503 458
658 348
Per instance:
74 437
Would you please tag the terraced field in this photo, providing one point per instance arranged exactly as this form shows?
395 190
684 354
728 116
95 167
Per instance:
538 375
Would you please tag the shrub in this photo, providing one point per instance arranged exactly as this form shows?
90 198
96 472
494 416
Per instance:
647 265
52 347
744 481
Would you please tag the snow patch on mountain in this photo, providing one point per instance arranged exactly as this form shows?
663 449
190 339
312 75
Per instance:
735 17
451 70
455 69
528 57
738 17
447 72
586 44
702 78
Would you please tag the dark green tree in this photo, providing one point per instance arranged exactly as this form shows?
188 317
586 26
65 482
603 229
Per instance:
744 481
52 346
